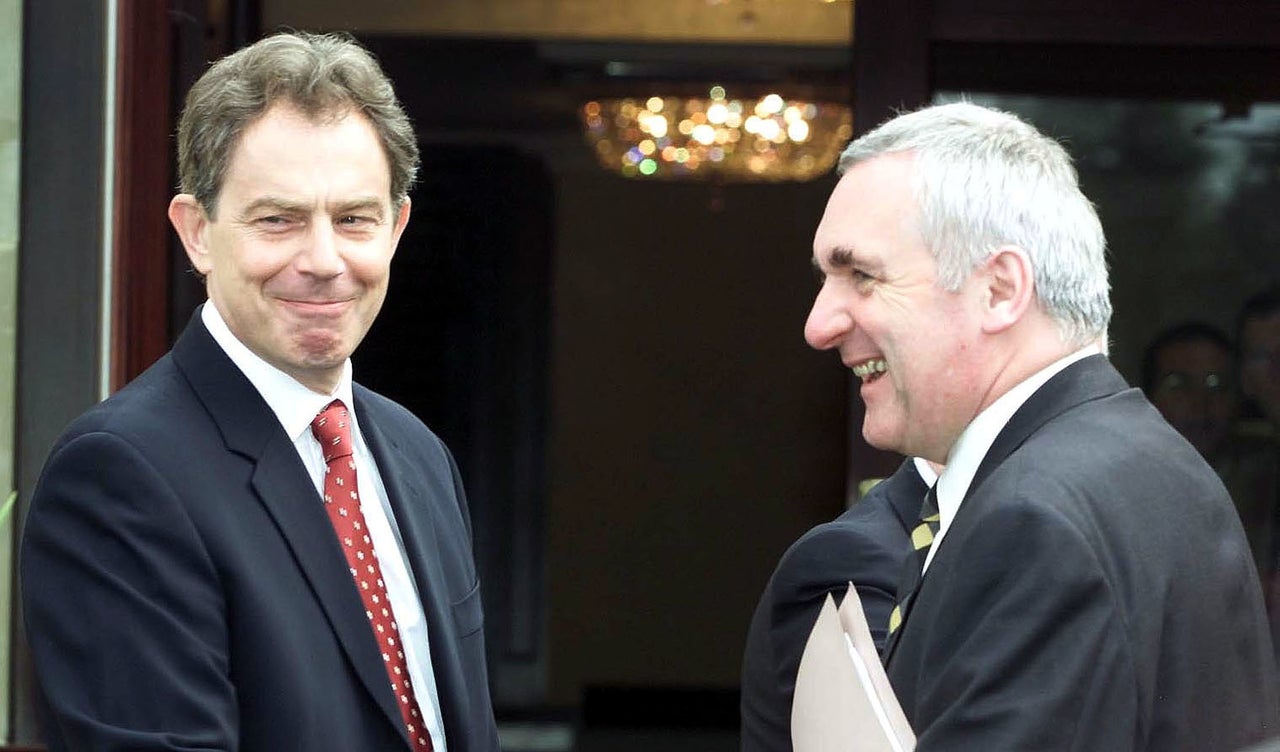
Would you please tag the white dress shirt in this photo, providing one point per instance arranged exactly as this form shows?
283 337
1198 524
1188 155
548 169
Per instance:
295 406
976 439
925 471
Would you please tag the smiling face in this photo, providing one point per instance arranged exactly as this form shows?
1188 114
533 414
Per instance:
298 256
915 346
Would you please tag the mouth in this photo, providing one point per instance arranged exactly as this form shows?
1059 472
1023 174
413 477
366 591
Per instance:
870 370
317 307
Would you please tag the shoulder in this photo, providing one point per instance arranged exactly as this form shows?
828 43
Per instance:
384 407
1107 486
154 408
1117 446
395 419
871 527
864 545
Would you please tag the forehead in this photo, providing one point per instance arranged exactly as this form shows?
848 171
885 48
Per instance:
286 150
871 213
1261 330
1193 355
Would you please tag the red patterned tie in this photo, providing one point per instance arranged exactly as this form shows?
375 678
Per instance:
332 428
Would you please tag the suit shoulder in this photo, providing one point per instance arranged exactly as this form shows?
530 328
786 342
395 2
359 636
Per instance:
866 542
1101 443
402 428
393 415
155 404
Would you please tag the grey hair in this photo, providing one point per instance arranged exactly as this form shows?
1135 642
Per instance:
983 179
326 76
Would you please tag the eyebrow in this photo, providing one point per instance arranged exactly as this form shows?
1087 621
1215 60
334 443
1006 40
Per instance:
363 204
275 203
840 257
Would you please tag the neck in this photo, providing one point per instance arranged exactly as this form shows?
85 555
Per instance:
1020 353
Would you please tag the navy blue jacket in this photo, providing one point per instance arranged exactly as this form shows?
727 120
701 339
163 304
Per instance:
184 590
1094 592
868 546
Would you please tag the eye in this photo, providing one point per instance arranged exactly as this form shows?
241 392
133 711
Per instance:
274 222
861 279
1173 381
357 222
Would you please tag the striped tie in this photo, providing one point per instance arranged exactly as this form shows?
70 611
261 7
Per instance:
921 540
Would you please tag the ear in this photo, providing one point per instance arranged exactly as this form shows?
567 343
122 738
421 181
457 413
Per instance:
191 223
1010 288
402 220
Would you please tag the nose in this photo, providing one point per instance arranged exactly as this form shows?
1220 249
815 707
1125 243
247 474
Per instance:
1198 403
322 254
828 322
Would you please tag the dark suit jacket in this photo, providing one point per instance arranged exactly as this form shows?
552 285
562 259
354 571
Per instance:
184 588
1094 592
867 545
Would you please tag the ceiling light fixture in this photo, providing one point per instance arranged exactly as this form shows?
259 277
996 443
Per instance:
768 139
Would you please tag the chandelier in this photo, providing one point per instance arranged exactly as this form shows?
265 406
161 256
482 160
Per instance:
768 139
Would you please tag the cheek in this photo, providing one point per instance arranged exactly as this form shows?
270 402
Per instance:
260 264
371 266
1173 408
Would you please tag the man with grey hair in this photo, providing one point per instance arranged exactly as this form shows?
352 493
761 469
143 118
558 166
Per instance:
243 549
1081 581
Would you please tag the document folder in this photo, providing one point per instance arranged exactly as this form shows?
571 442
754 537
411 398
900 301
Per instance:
843 701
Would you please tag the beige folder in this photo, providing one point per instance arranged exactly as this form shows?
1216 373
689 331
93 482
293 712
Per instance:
843 701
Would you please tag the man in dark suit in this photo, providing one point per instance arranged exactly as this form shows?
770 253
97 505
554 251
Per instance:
1083 580
866 545
242 549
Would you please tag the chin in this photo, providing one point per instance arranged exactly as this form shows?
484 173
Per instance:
879 439
321 346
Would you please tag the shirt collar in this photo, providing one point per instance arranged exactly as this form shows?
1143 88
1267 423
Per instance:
976 439
925 471
294 405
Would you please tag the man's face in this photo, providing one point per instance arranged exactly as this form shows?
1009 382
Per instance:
913 344
1193 392
297 259
1260 363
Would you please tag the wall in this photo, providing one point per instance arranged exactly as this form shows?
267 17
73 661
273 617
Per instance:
59 350
741 21
10 128
694 434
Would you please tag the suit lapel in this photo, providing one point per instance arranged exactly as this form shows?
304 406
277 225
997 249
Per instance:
282 485
413 494
1085 380
906 491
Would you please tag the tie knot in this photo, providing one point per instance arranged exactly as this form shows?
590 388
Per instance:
332 428
929 509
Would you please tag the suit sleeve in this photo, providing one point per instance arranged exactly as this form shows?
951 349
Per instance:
1027 646
825 561
123 607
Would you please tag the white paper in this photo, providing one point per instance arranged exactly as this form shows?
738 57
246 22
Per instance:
843 701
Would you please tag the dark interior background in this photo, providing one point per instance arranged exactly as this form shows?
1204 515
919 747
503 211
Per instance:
617 364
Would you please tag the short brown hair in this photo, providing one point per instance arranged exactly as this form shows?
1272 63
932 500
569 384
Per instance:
323 75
